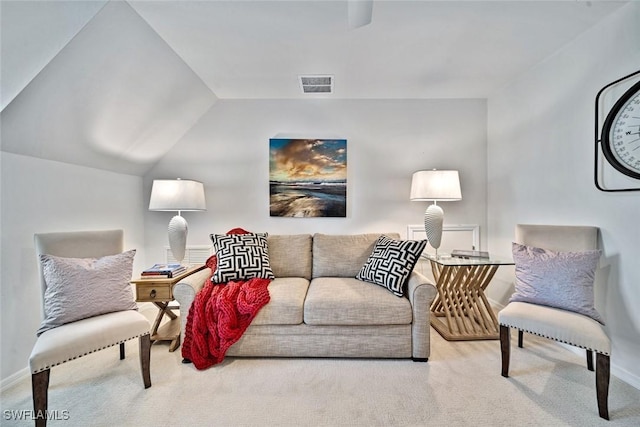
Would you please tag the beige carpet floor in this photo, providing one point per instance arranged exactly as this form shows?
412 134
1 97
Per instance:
459 386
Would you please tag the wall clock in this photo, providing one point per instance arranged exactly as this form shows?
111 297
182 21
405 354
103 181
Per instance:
620 135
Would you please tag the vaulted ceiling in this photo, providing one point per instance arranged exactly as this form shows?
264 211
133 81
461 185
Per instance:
411 49
114 85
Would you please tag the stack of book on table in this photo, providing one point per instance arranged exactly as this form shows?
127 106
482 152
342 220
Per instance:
163 271
459 253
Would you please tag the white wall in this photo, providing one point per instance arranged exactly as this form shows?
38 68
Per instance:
387 140
540 169
47 196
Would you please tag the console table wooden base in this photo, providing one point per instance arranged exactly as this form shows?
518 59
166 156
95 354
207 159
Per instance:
461 310
170 331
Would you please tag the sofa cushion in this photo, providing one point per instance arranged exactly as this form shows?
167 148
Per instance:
349 301
391 263
290 255
241 257
286 304
343 255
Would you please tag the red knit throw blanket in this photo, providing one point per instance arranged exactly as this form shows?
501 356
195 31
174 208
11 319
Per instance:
219 315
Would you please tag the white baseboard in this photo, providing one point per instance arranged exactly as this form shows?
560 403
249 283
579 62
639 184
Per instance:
496 304
13 379
626 376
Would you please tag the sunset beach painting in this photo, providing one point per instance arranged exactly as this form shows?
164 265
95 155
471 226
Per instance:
308 177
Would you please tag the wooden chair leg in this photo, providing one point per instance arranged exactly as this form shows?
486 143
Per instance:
505 349
520 337
590 360
121 351
145 359
40 389
602 384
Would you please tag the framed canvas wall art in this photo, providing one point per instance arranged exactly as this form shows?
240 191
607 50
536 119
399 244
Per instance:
308 177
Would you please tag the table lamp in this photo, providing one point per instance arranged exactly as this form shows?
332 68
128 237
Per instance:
436 186
177 195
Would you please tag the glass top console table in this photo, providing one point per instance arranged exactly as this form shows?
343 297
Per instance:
461 310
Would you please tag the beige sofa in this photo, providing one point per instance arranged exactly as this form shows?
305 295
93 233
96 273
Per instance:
319 309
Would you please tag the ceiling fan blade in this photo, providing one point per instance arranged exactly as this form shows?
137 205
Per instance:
359 12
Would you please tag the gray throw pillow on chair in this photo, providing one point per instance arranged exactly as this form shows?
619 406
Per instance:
79 288
556 279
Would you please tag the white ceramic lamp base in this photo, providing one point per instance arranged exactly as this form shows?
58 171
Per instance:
178 237
433 219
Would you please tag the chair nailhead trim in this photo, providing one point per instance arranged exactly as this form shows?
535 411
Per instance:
555 339
88 352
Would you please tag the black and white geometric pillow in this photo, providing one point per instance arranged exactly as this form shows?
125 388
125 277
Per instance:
241 257
391 263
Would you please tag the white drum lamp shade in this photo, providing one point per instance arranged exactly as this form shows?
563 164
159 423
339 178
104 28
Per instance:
177 195
436 186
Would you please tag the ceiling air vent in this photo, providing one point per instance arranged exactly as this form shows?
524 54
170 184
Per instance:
316 84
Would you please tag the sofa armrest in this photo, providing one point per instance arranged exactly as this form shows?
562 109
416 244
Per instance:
185 292
421 292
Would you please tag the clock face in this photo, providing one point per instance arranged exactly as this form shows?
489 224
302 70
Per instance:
621 133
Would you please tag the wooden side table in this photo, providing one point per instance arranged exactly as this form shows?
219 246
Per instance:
461 310
160 292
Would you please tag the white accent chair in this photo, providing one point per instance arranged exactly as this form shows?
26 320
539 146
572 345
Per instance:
76 339
557 324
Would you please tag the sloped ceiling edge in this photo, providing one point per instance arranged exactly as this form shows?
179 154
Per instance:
116 97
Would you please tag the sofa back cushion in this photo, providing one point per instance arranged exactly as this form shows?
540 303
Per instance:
343 255
290 255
